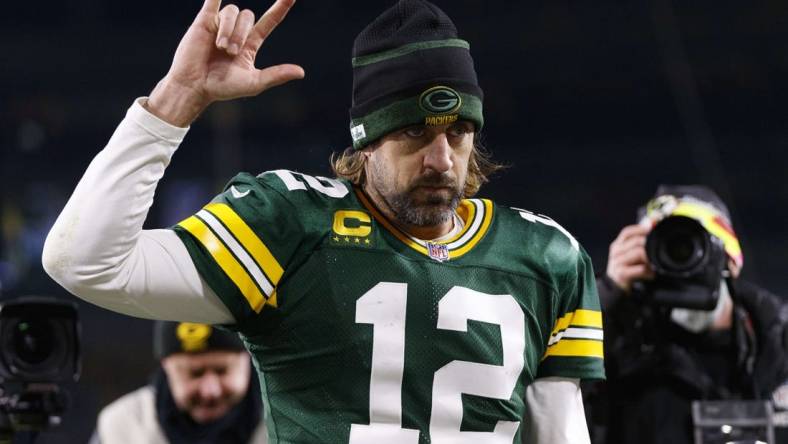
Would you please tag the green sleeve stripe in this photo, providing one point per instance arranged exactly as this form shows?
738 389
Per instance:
407 49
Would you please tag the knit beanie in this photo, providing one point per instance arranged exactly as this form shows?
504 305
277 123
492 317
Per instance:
410 68
186 337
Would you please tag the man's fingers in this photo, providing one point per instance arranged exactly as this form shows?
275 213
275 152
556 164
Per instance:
227 18
633 230
633 243
268 22
634 256
211 6
629 235
277 75
243 24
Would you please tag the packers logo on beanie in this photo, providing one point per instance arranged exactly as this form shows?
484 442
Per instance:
410 68
186 337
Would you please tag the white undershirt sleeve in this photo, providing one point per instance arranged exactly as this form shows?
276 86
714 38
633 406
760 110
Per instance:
97 248
555 413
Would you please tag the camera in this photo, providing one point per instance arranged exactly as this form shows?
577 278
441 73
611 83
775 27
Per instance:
688 261
39 348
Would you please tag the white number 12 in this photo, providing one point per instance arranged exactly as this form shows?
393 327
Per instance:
384 306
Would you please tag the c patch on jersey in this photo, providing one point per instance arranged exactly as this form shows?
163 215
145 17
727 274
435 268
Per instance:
351 227
577 334
238 251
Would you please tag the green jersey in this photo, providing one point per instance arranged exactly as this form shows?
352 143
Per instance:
361 333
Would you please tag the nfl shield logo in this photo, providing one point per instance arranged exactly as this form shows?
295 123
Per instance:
439 252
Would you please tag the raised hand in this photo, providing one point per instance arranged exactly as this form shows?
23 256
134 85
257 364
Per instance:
215 61
627 260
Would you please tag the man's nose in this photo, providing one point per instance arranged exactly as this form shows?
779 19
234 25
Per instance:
210 386
438 155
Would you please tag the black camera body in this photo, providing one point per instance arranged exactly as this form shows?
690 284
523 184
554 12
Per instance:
689 264
39 348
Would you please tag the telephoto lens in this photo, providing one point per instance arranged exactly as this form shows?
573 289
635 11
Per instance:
678 247
688 261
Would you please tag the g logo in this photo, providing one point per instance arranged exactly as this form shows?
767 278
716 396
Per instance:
440 100
193 337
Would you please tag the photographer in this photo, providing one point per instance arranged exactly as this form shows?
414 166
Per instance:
679 324
203 392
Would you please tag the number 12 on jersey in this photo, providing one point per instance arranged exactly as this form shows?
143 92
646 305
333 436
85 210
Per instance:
384 306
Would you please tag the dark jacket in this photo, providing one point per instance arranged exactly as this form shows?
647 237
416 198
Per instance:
149 415
655 368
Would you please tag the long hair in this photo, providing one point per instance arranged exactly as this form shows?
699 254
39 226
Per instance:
350 164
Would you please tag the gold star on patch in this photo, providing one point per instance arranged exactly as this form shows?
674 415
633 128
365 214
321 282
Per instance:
356 240
366 241
347 239
336 239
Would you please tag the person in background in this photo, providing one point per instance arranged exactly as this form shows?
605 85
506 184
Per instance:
680 325
202 392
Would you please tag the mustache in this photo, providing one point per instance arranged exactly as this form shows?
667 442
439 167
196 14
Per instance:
436 180
199 401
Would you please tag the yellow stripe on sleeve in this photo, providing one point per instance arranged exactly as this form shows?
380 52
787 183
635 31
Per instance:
581 348
579 318
227 262
248 240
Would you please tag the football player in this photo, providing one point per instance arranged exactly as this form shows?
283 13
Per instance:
386 305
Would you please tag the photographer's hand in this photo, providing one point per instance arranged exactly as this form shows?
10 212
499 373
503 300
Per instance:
215 61
627 260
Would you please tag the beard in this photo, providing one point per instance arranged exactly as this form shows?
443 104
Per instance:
204 410
429 201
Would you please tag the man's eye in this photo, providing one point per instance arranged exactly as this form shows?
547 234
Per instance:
414 131
459 130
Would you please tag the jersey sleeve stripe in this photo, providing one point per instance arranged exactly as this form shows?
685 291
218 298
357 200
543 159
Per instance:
585 348
578 318
577 333
248 240
226 261
254 270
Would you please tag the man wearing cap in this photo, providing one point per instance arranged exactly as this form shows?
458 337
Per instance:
680 325
203 392
386 305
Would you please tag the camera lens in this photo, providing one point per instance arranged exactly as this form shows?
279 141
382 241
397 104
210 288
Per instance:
681 250
38 340
33 348
33 340
678 246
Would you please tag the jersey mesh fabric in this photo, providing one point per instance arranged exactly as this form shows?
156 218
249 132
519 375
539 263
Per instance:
315 358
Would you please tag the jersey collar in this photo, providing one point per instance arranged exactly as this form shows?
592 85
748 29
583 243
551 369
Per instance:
476 214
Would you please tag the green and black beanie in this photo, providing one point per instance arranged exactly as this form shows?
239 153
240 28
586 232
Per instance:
186 337
410 68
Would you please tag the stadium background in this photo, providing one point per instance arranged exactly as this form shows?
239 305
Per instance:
592 104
